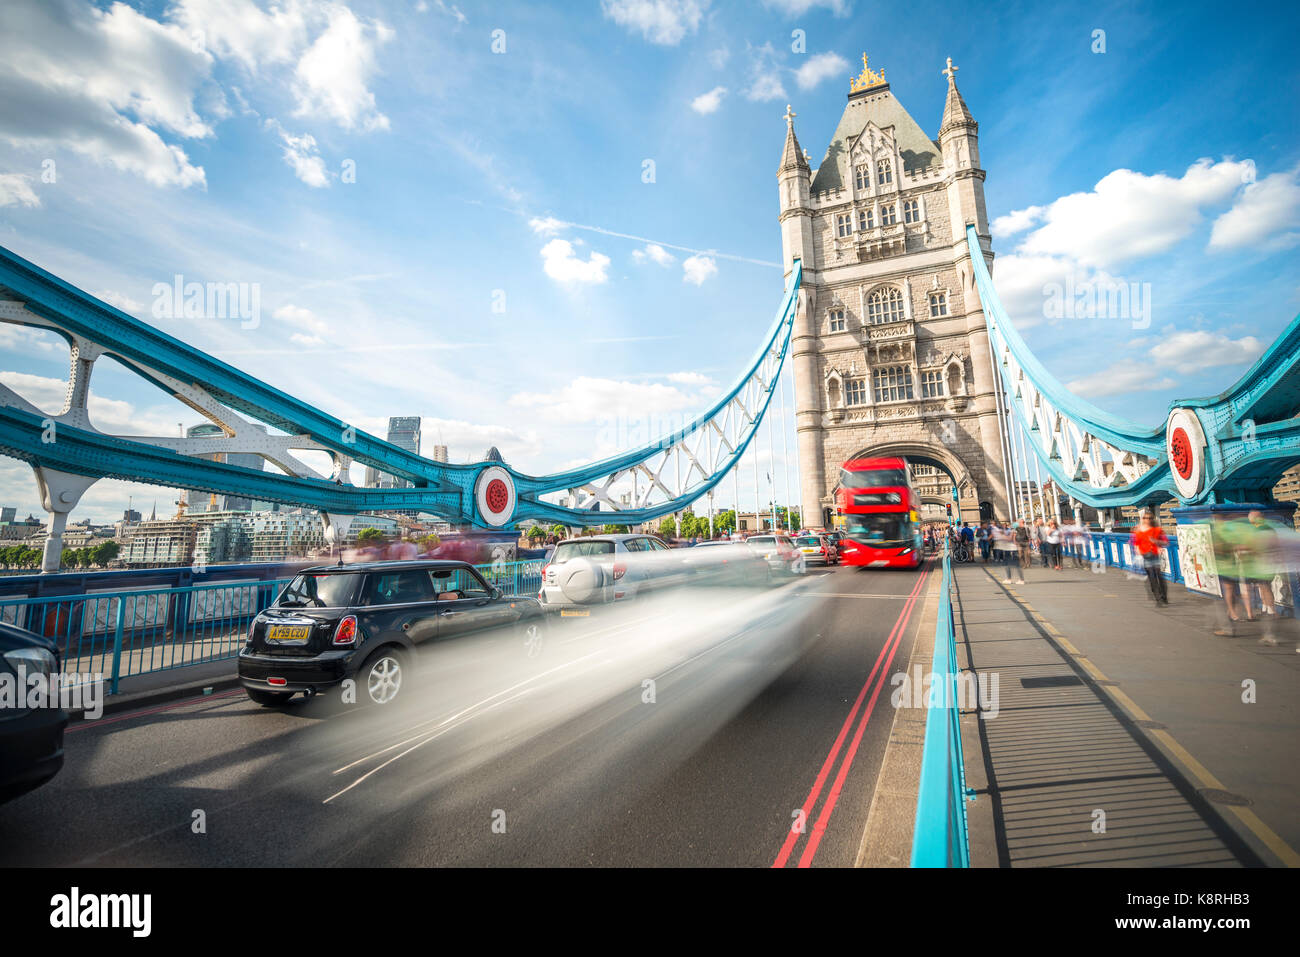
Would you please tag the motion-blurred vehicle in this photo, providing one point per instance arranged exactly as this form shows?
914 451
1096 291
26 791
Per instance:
878 505
582 572
367 622
779 552
817 550
727 563
31 738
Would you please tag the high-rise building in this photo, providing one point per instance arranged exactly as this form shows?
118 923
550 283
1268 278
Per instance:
439 453
404 432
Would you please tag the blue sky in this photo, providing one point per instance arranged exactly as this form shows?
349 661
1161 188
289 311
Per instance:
217 140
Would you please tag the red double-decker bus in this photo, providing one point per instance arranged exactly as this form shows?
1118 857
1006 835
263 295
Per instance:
878 514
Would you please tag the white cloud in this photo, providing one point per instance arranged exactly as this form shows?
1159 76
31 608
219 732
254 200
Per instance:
655 253
1266 215
709 102
546 227
305 340
1194 350
718 58
16 190
102 84
1016 222
764 75
1130 215
697 269
561 264
588 399
1183 353
665 22
1125 376
333 76
302 156
303 318
820 67
796 8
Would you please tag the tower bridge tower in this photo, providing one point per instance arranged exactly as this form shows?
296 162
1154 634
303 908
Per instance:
889 346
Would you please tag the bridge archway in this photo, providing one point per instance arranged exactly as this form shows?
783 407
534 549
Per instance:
972 499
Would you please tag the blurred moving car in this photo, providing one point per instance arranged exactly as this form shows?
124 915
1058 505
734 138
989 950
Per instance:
728 563
366 622
779 552
582 572
31 738
817 550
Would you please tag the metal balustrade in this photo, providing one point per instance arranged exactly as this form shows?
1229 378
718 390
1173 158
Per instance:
940 837
120 634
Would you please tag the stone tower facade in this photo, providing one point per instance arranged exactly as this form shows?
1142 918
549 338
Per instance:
889 349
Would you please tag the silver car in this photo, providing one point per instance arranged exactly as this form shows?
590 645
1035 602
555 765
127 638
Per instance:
582 572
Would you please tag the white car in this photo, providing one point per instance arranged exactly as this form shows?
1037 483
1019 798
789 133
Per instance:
581 572
781 554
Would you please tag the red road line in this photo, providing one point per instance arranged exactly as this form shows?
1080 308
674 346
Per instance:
793 837
86 723
819 830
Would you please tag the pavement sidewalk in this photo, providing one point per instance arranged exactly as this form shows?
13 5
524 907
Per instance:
1127 734
159 687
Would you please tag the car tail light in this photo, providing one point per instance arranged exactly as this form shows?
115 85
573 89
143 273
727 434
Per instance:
276 681
346 633
619 570
544 567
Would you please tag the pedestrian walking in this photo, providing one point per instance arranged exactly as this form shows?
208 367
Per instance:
1023 546
1005 548
1052 539
984 539
1148 538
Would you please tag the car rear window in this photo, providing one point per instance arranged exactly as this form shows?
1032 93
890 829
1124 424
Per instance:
567 550
761 540
319 590
807 540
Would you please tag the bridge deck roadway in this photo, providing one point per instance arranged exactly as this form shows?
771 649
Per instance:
761 708
1151 726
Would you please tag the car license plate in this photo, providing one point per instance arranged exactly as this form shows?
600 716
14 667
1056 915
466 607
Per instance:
288 632
879 563
575 612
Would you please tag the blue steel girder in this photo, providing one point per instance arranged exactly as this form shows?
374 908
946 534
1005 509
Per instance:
1250 433
708 446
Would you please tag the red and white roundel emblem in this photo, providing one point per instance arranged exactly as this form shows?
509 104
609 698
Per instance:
1185 445
494 494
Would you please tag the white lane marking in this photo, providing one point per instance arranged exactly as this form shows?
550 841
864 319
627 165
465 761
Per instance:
432 736
463 711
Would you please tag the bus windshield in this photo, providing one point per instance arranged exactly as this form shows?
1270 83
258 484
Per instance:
872 478
881 530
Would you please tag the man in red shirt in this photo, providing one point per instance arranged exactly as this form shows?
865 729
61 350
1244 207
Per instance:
1148 538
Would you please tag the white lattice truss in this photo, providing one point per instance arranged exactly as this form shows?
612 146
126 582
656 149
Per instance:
1055 437
689 463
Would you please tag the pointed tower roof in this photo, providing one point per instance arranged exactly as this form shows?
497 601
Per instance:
871 101
955 113
792 156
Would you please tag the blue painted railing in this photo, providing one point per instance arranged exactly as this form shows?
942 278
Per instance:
940 837
1115 550
124 633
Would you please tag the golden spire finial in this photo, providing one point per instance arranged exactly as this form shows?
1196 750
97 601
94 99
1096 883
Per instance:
867 79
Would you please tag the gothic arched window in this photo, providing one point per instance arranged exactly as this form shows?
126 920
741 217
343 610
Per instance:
885 305
862 178
884 172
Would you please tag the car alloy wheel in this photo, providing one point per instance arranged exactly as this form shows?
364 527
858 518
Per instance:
384 677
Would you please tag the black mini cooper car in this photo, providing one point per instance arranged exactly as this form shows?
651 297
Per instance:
31 738
365 622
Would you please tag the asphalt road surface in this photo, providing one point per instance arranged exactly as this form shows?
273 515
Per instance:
735 727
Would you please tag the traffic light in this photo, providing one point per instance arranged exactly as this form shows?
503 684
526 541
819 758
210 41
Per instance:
948 506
